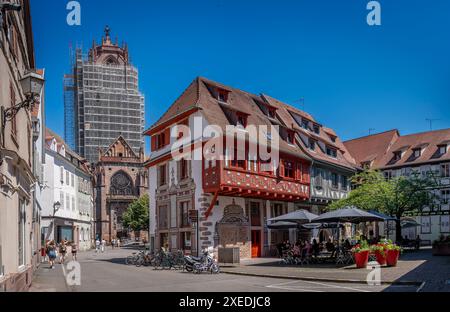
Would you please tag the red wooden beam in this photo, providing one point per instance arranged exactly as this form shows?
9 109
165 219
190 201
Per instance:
211 206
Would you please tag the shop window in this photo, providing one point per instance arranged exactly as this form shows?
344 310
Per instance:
184 214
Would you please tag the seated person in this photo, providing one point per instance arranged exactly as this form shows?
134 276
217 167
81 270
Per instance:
296 250
329 246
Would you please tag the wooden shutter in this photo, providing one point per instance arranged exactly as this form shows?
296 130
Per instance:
167 136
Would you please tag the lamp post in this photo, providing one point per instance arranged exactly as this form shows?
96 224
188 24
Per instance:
56 207
7 6
32 84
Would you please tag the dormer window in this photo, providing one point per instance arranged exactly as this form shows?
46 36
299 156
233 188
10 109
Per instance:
305 124
397 156
222 96
290 137
241 120
312 144
316 129
272 112
331 152
442 149
417 152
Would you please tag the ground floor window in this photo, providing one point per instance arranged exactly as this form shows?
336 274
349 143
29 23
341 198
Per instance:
186 243
65 233
164 240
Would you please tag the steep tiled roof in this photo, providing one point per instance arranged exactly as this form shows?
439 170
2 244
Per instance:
371 148
428 142
198 95
380 148
286 113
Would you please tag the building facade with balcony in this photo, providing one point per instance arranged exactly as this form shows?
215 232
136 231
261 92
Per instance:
119 179
17 218
422 154
232 194
67 212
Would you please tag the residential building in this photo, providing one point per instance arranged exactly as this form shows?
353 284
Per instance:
332 165
231 198
38 154
102 100
424 154
68 209
120 178
17 179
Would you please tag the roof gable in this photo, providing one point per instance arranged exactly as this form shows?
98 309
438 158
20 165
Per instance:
120 149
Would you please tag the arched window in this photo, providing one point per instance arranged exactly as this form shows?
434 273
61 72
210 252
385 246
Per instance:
121 184
111 60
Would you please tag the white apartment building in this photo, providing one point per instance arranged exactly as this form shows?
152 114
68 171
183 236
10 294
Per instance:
68 195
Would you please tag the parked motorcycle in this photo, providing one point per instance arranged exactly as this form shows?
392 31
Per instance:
205 263
190 261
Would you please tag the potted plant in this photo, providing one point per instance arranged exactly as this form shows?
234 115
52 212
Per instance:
379 251
361 254
392 253
441 247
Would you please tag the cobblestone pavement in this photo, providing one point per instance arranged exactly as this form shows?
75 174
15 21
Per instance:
107 272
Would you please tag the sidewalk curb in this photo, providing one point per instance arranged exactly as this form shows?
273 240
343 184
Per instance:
319 279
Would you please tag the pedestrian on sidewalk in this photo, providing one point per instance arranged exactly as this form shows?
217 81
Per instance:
74 251
51 252
103 245
97 245
118 243
113 243
62 252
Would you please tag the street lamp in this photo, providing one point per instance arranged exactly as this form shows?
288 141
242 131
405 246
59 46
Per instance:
32 84
7 6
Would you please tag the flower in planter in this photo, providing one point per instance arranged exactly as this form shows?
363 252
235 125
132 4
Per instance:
380 248
361 247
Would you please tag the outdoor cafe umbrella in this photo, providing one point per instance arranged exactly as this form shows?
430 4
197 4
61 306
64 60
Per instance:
315 226
350 215
347 215
298 216
282 225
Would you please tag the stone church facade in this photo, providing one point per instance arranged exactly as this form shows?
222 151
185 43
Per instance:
120 178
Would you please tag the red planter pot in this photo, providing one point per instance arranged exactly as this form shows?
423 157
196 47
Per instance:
361 259
381 257
392 257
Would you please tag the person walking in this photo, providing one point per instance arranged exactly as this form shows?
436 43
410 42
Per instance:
62 252
74 251
103 245
97 245
113 243
51 252
118 243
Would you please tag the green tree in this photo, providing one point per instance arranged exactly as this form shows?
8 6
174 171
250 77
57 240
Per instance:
136 217
394 197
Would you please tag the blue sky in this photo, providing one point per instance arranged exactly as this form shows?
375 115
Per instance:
353 77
